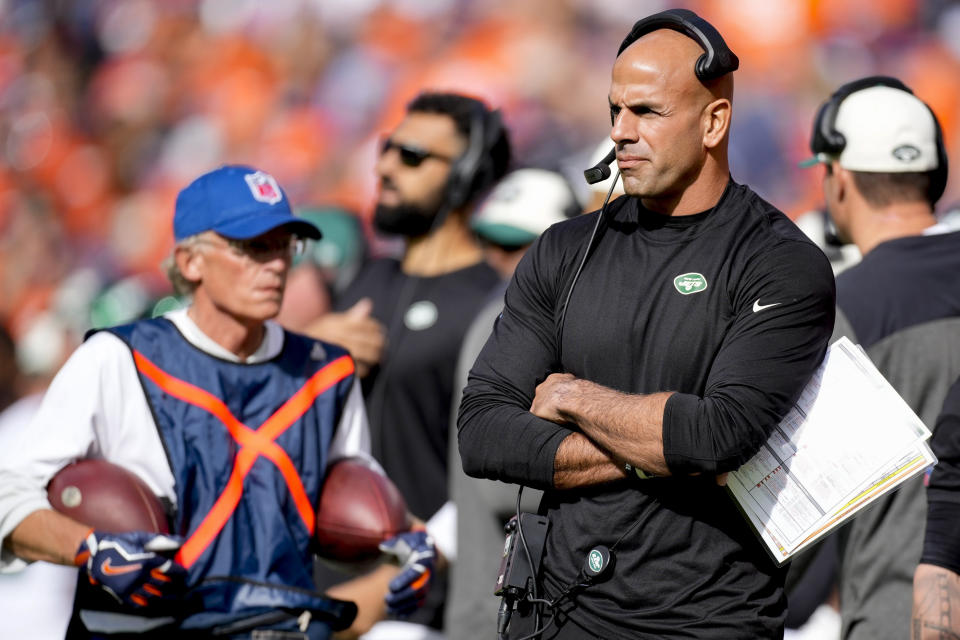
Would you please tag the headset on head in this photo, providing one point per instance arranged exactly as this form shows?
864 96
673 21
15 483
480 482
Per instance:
827 140
474 170
717 59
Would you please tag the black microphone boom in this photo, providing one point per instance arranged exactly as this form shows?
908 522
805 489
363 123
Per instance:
601 171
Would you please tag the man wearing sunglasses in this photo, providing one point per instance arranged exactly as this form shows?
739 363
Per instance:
230 419
446 151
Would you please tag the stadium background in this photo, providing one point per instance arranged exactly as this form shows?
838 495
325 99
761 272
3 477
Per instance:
109 107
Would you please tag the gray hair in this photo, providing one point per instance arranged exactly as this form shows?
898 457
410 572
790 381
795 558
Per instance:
181 286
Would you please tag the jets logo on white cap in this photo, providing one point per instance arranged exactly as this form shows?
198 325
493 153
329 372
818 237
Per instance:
264 187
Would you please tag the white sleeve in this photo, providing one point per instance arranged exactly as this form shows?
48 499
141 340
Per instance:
442 526
94 408
352 436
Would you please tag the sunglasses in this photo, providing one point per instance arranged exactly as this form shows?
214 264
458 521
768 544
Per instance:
410 155
261 249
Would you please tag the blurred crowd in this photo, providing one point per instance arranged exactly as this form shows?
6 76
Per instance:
109 107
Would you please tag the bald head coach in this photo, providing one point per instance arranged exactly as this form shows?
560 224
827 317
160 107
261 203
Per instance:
644 350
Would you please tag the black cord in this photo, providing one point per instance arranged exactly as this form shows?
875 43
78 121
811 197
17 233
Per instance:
576 276
526 551
571 588
636 523
539 632
551 604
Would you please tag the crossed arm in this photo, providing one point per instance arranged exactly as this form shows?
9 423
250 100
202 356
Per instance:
628 424
572 432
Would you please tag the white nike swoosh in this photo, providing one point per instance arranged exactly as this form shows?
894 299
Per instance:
760 307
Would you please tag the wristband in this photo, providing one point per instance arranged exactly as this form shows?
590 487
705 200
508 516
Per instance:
640 473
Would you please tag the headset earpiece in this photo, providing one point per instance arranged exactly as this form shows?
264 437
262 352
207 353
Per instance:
717 59
473 171
826 137
939 183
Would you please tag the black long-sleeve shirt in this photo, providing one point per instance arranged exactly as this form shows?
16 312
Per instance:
941 546
731 309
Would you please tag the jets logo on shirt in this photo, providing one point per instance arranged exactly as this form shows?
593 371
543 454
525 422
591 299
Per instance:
690 283
421 315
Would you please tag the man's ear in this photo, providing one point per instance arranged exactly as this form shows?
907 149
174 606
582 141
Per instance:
716 122
841 183
189 262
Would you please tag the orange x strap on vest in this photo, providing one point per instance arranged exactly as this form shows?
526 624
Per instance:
253 444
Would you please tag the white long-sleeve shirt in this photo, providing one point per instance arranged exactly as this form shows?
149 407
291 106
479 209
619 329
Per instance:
96 408
37 601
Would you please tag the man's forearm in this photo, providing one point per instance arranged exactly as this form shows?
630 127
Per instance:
581 463
367 592
625 427
936 604
629 426
47 535
509 444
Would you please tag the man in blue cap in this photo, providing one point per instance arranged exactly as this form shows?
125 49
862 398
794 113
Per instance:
229 418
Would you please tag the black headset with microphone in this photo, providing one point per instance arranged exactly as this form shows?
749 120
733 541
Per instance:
825 138
474 171
716 61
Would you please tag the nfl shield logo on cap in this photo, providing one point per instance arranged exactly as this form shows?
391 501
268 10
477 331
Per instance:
236 201
264 187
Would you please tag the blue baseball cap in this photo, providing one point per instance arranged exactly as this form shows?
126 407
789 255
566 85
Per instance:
237 202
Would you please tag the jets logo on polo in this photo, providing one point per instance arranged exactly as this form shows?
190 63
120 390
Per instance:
421 315
264 187
906 153
690 283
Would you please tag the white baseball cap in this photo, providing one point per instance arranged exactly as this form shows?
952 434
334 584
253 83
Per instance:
886 131
522 205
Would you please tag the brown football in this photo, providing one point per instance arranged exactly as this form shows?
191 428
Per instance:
107 497
359 508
